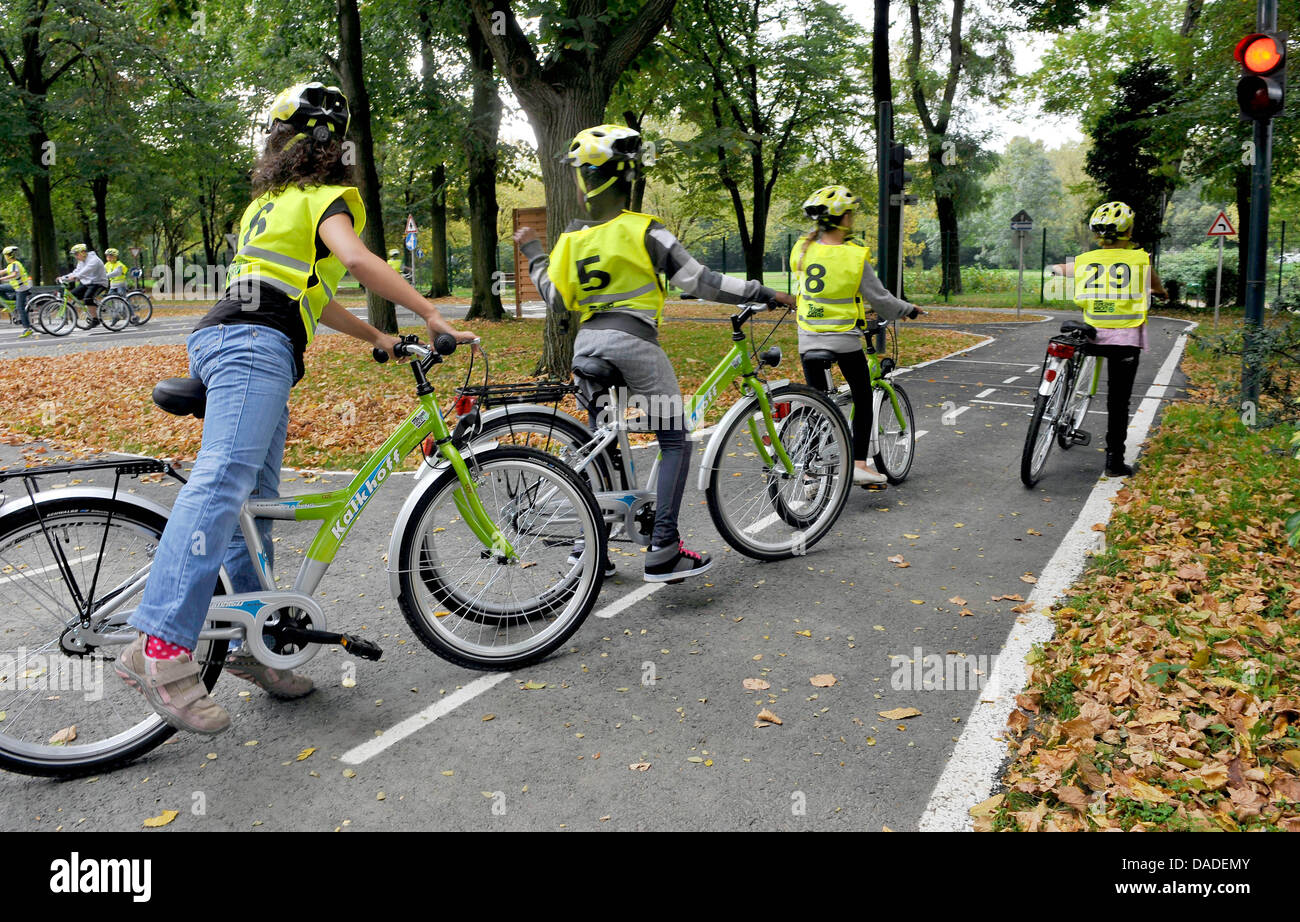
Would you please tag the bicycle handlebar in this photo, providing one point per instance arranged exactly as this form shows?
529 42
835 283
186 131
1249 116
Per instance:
443 344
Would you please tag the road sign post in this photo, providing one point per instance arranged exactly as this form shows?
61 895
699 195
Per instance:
411 244
1021 224
1221 228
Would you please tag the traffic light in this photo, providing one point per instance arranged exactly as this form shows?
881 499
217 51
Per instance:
1261 91
898 176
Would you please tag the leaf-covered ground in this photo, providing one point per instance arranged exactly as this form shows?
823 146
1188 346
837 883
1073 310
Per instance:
1170 697
344 408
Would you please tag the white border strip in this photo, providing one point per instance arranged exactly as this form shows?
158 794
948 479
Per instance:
416 722
971 773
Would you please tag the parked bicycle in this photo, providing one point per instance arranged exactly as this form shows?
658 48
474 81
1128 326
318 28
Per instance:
893 438
59 314
494 560
1065 392
776 470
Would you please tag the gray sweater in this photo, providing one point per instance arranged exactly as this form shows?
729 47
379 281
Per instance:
668 256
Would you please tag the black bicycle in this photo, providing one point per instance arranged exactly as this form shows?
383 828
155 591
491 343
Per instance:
1065 391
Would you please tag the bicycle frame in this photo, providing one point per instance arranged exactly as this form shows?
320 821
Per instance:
881 387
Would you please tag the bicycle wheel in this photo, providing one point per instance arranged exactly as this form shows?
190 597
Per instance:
47 685
557 434
1041 435
141 307
1076 405
34 307
114 313
757 506
59 318
488 611
896 441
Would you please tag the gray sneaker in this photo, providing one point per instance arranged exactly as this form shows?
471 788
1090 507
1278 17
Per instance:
279 683
173 689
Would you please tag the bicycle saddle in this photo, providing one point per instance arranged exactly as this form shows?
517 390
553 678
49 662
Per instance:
181 396
597 371
820 355
1078 326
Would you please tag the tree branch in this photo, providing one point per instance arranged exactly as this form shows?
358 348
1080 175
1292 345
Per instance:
633 37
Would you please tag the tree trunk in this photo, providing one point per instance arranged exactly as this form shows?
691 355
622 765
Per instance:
481 166
99 190
440 286
634 121
949 244
45 257
758 215
382 315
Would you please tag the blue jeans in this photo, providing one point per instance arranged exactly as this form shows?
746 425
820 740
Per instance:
248 371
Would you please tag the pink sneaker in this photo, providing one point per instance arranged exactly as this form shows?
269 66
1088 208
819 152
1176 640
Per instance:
279 683
173 689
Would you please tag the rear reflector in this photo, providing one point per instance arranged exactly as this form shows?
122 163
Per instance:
429 446
1060 350
464 404
1050 375
780 410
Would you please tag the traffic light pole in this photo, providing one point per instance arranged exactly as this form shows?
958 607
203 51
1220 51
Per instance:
1257 247
884 136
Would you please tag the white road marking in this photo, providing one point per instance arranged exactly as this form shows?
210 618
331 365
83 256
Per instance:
417 722
23 574
921 432
1012 379
971 772
1031 369
951 357
955 413
1027 406
644 591
984 393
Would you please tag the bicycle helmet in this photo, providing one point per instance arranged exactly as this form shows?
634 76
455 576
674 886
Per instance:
392 253
77 248
603 155
111 251
318 111
828 204
11 251
1112 221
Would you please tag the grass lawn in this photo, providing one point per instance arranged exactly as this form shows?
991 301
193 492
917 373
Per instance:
1170 696
346 406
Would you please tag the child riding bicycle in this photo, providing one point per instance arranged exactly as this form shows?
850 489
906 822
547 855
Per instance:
833 278
115 271
16 283
296 239
1113 285
607 270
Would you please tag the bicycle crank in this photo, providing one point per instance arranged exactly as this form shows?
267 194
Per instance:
350 642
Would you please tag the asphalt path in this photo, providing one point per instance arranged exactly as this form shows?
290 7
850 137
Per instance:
659 681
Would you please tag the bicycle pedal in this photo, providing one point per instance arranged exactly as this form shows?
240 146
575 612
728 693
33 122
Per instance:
1080 437
875 487
360 647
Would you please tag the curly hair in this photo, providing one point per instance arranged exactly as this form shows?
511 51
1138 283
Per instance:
303 162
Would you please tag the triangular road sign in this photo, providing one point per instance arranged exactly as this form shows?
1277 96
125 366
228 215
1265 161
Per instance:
1221 227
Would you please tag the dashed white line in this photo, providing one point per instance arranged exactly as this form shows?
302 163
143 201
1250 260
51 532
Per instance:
984 393
921 432
1031 369
417 722
644 591
955 413
1012 379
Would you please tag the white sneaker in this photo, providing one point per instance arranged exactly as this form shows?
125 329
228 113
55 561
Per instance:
864 476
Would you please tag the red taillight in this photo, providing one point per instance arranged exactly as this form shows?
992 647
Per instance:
463 405
780 410
1060 350
429 446
1050 375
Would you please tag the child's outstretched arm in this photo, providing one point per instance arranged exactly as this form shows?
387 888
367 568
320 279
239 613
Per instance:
694 278
538 265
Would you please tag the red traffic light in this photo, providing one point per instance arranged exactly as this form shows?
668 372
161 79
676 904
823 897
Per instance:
1260 53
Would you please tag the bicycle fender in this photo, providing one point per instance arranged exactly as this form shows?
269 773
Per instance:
491 416
1044 386
742 407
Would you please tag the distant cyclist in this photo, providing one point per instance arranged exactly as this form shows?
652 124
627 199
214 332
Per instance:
116 272
90 277
17 284
834 281
295 240
395 260
1113 284
607 270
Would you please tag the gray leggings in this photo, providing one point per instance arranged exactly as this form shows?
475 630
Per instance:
646 368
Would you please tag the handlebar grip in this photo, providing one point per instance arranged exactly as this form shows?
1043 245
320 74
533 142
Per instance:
379 355
444 344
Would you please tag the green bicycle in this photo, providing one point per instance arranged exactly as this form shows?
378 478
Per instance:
60 314
776 470
493 560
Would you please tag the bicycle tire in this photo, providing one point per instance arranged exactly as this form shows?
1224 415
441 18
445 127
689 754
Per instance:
1032 463
58 318
34 307
75 760
574 596
1080 376
542 428
114 313
830 453
896 468
141 307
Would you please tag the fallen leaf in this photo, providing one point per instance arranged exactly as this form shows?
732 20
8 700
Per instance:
64 736
823 681
756 684
305 754
899 713
640 766
898 561
1029 578
532 685
162 819
1009 598
349 773
804 633
957 600
487 717
913 537
1024 609
768 717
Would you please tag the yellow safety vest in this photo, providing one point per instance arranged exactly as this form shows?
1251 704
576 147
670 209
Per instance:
396 263
277 247
827 282
1113 287
24 281
116 271
606 267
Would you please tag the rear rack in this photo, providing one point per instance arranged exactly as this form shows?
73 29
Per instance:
125 467
489 395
